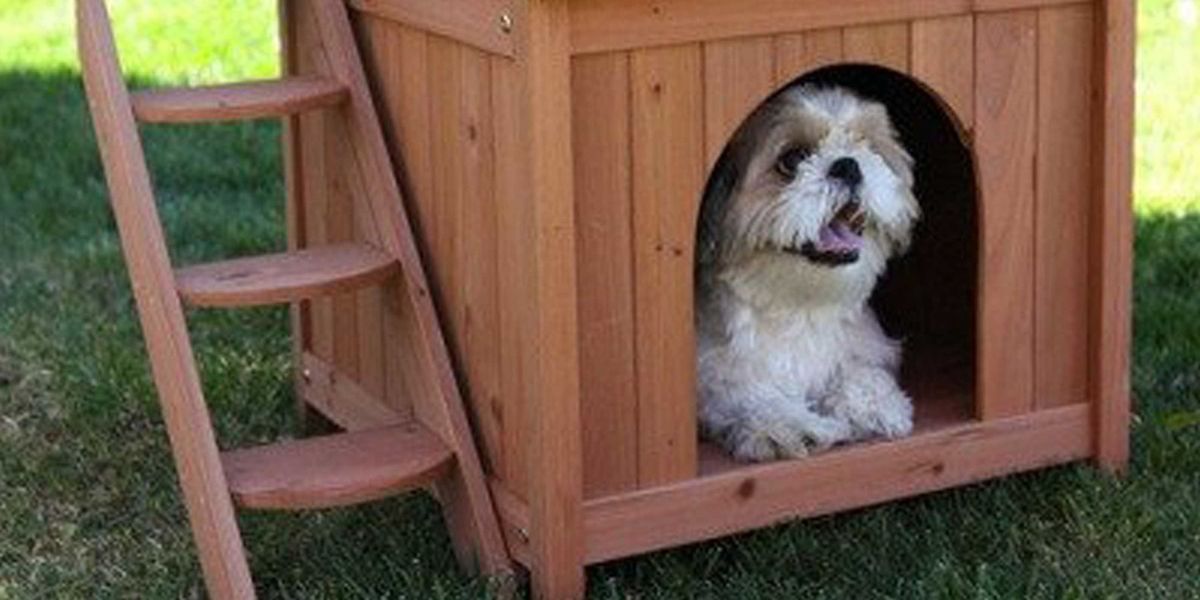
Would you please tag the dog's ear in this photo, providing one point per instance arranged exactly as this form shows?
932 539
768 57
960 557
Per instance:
715 204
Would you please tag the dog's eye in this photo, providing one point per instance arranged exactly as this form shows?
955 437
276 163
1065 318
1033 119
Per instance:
789 162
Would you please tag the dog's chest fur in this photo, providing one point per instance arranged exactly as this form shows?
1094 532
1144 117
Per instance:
783 346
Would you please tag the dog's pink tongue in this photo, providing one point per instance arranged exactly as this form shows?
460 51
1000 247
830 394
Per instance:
838 237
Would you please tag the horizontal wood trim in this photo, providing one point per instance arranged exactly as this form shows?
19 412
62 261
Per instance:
342 400
761 495
477 23
753 496
605 25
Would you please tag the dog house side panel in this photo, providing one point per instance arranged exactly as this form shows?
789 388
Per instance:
451 117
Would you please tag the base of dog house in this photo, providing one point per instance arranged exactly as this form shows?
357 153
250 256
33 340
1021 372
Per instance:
947 449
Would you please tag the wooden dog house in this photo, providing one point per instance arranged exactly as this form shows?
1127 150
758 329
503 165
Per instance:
553 154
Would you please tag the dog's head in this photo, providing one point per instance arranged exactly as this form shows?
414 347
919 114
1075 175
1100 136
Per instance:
815 180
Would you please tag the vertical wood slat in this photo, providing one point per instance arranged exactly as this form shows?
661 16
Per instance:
515 262
668 179
798 53
478 313
608 383
885 45
738 75
1064 197
1112 234
445 89
942 59
372 364
401 71
1005 140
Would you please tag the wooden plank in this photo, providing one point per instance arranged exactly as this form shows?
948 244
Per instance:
518 346
796 54
760 495
445 88
738 76
477 23
336 470
342 210
397 57
284 277
477 233
1064 199
193 444
341 399
235 101
885 45
607 25
1112 235
668 179
942 58
608 381
1005 142
554 434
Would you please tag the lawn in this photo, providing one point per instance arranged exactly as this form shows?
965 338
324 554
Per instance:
88 501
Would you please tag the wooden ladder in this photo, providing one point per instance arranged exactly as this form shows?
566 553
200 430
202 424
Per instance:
434 449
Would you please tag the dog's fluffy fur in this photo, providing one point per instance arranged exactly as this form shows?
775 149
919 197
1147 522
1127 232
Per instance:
791 359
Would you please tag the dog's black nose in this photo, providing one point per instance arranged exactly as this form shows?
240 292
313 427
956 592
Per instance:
845 169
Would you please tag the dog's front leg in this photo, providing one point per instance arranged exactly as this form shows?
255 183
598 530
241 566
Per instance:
870 401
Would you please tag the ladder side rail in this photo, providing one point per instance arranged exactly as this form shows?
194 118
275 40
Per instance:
209 506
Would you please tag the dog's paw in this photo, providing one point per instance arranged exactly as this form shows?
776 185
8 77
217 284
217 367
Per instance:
794 438
891 419
874 406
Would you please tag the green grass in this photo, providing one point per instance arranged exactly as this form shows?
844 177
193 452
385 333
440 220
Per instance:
88 501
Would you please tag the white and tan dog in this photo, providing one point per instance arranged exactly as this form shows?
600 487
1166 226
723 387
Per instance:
806 206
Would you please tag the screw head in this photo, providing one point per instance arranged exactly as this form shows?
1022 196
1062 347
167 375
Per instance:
506 22
307 375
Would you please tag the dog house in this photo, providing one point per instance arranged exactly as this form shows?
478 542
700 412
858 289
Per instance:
553 157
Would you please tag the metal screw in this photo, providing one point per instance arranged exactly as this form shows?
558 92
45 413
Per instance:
506 22
307 375
524 533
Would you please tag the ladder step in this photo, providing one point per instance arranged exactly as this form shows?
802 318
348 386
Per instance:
246 100
285 277
336 470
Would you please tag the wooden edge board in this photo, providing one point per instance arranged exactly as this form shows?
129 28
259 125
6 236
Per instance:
761 495
339 398
234 101
482 24
336 470
1112 235
285 277
608 25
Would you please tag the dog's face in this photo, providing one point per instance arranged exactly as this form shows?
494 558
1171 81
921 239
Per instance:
816 180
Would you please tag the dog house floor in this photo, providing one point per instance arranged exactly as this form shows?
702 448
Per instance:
939 380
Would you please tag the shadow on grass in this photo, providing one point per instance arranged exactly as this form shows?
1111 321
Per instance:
89 505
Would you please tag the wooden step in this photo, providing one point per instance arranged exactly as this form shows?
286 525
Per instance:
246 100
286 277
336 470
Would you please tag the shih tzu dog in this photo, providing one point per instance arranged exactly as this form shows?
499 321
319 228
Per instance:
807 204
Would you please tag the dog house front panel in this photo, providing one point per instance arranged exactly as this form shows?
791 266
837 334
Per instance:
650 120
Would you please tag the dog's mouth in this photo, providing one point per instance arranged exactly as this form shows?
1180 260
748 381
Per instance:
839 241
